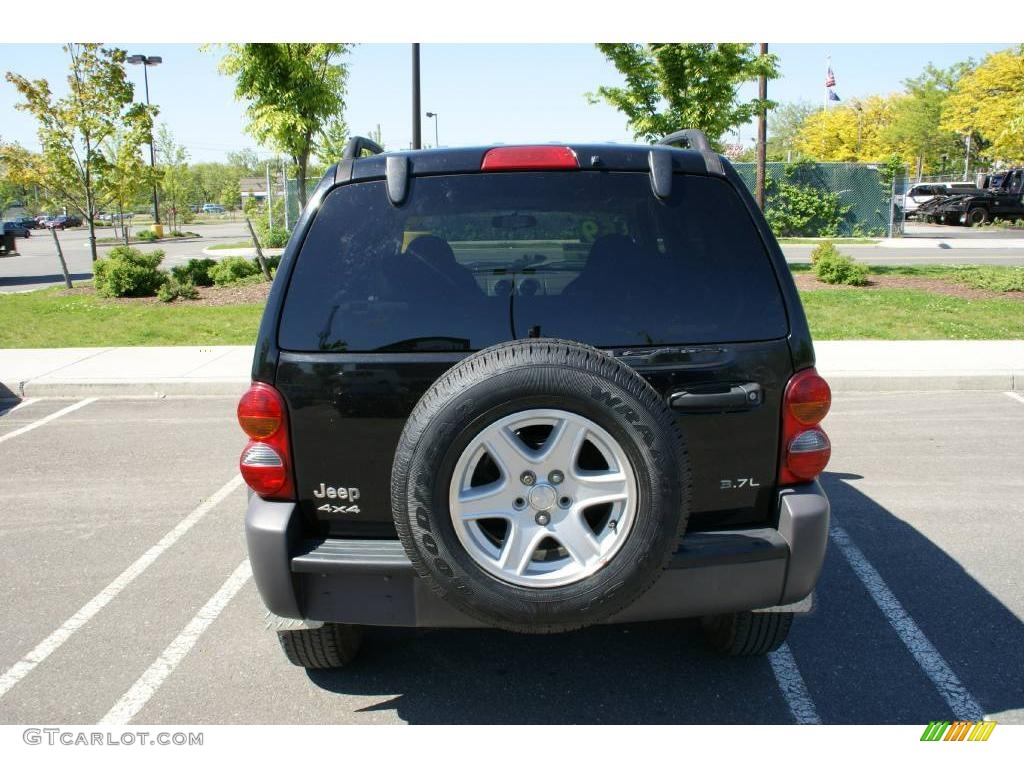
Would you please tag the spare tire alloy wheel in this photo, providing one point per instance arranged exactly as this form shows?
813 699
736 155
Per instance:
543 522
540 486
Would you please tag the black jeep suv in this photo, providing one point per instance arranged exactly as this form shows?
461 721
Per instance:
533 388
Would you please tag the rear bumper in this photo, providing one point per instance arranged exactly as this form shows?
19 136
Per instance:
372 582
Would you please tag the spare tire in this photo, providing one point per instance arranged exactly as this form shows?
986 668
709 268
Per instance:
540 486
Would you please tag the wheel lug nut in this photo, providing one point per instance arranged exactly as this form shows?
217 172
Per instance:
528 478
555 477
543 518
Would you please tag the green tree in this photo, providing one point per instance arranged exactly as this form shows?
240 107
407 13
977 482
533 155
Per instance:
331 141
230 195
174 182
784 124
988 102
294 90
915 120
670 86
72 129
245 159
123 176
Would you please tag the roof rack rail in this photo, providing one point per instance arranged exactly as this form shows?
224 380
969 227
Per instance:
357 144
694 138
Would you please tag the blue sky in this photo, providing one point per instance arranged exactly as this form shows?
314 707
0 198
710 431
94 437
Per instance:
482 93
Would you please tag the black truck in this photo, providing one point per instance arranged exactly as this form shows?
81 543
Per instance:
535 388
1002 199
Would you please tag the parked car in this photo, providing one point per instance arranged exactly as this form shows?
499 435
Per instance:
29 222
16 228
63 222
919 194
213 208
533 388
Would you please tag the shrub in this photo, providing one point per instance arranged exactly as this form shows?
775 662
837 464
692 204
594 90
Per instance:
174 289
146 235
830 266
232 269
128 272
795 206
273 238
196 271
273 262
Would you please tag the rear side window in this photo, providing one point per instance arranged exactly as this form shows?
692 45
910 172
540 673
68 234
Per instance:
472 260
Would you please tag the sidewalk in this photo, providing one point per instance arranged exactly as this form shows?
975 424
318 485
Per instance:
848 365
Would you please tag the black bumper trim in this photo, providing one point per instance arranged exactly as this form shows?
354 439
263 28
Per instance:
373 582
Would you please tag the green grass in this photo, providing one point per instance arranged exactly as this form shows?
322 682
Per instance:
852 313
1000 279
47 319
836 240
228 246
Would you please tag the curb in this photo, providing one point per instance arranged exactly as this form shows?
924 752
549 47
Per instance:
24 389
212 252
1004 381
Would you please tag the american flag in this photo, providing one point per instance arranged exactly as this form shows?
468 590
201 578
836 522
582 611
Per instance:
830 79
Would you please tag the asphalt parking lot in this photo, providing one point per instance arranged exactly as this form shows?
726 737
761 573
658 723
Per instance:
126 595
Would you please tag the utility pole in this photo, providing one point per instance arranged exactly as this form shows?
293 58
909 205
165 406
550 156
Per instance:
762 133
284 175
417 138
270 201
967 157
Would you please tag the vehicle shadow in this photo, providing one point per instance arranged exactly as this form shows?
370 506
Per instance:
854 665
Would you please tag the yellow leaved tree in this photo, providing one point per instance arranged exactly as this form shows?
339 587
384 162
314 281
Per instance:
988 104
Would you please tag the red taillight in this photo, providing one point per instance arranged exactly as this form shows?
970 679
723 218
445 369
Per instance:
543 158
265 463
805 446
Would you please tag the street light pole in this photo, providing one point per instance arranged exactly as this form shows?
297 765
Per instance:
417 134
147 62
434 115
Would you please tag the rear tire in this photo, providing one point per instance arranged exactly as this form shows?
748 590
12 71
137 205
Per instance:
747 633
976 216
328 647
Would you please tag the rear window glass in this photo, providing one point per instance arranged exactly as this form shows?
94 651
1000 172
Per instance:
473 260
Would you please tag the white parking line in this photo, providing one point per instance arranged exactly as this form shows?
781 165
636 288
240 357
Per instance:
1016 396
47 419
927 656
135 699
22 404
791 683
59 636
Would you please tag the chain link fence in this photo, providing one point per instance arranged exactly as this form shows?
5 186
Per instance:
809 199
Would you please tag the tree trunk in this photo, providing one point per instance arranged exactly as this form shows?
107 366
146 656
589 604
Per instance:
300 178
60 255
259 251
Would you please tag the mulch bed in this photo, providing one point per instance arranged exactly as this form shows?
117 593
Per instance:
256 293
212 296
805 281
